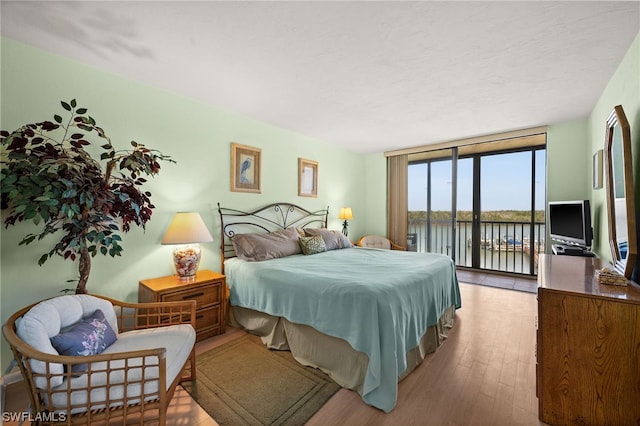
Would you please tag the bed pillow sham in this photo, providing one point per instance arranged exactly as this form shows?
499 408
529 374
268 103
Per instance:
332 239
258 247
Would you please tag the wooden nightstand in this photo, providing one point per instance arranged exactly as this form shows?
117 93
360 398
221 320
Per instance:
208 289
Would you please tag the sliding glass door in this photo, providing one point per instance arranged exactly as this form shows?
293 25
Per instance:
512 210
485 210
430 200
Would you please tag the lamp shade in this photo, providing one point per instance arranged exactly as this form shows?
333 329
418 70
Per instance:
187 228
345 213
185 231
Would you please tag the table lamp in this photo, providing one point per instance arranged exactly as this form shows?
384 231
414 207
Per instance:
186 230
346 214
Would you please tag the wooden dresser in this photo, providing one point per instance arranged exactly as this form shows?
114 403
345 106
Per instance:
588 348
207 288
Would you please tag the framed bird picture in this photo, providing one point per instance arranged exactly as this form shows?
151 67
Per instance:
245 168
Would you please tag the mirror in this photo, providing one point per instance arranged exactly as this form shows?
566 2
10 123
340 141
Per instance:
620 199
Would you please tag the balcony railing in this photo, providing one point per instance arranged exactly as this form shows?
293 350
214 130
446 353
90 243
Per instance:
504 246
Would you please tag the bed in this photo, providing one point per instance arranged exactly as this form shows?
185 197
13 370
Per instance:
365 316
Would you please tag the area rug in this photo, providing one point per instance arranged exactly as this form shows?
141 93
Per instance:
244 383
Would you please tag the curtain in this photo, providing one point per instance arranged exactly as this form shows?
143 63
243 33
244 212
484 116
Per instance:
397 204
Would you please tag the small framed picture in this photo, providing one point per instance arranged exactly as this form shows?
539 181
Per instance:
245 168
307 178
597 169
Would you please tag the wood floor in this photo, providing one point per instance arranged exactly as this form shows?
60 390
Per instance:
483 374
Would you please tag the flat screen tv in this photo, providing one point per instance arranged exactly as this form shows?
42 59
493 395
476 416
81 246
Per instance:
570 222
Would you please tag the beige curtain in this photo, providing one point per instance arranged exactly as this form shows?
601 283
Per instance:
397 204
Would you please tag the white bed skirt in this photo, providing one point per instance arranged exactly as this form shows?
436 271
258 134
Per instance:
335 356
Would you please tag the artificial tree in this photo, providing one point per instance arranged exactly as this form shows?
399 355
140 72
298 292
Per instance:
50 178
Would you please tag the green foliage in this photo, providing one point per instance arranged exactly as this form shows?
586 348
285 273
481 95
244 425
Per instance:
49 178
488 216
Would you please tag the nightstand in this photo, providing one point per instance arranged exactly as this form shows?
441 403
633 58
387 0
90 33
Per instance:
208 289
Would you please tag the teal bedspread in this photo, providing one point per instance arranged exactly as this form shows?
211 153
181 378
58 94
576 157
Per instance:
380 301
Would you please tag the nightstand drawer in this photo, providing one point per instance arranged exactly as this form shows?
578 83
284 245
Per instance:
206 333
208 317
209 291
205 295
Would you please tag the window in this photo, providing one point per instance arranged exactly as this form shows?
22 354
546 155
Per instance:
481 204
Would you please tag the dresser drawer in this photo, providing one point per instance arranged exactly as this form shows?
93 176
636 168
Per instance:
205 295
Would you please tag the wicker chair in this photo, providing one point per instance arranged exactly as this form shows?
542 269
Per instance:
376 241
132 380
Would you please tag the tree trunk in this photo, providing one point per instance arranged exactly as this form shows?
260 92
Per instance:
84 268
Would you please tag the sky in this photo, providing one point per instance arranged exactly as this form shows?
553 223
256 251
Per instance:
505 183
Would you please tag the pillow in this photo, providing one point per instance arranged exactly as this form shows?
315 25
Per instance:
312 245
257 247
332 239
90 336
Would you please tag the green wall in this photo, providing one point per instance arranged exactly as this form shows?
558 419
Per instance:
566 159
375 220
196 136
623 89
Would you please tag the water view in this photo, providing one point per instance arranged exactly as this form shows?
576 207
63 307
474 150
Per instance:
505 245
499 199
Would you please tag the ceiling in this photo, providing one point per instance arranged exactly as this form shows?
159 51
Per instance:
368 76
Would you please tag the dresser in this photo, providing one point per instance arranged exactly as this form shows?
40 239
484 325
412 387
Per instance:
207 288
588 345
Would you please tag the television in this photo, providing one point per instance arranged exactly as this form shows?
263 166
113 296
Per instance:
570 223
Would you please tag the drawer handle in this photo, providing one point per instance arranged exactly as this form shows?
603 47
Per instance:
199 316
193 296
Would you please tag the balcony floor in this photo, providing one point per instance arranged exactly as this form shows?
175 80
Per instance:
510 282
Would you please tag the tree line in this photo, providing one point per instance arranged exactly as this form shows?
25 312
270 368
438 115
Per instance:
487 216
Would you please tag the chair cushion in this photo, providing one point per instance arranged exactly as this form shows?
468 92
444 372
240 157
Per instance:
91 336
49 317
178 340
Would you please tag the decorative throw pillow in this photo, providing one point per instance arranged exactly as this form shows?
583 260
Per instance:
332 239
90 336
312 245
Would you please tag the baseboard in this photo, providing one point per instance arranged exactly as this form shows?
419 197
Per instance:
5 381
11 378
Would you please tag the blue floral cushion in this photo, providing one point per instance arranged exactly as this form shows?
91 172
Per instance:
90 336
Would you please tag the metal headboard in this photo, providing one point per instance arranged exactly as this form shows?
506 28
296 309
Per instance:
269 218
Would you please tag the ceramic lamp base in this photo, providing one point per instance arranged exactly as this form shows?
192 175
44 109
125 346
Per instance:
186 260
